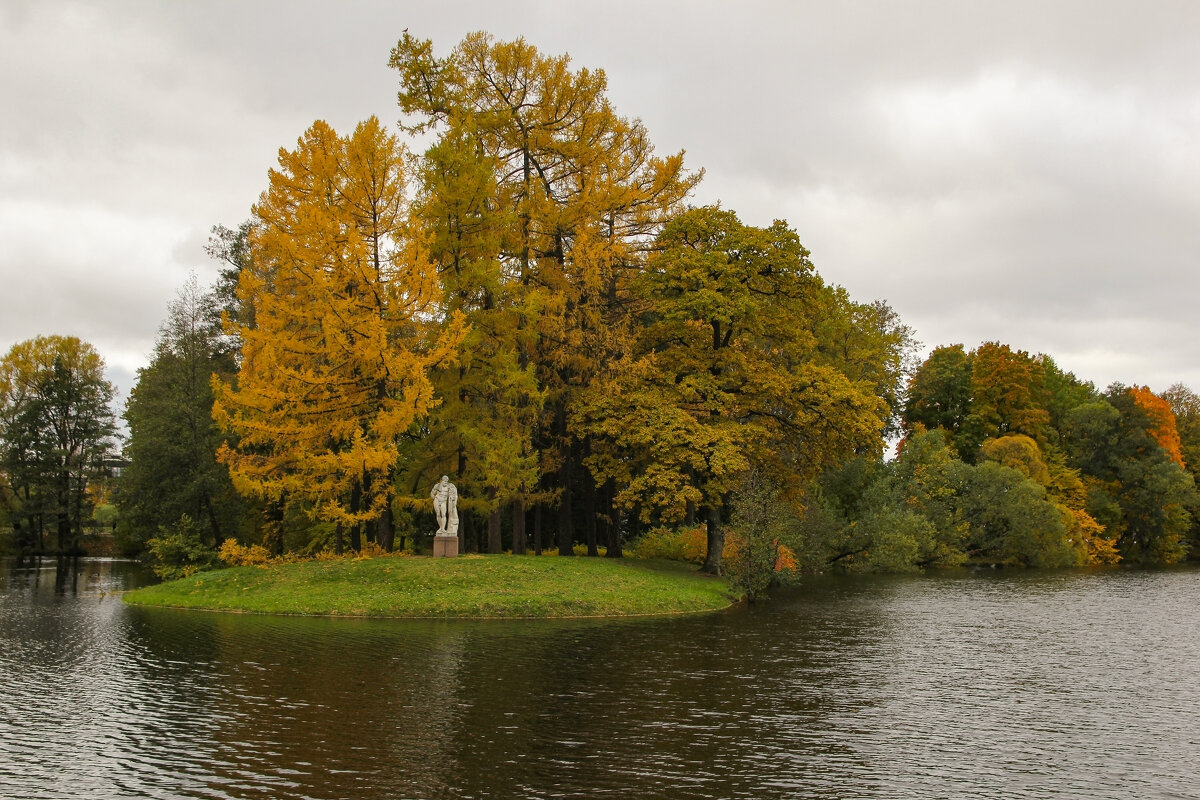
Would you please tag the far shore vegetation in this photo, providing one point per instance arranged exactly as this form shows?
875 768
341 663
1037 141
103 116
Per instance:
513 289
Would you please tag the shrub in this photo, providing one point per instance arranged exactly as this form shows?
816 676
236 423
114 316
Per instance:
755 554
105 515
682 544
237 555
370 549
179 551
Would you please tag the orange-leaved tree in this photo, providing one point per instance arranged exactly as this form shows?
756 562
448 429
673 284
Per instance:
1161 420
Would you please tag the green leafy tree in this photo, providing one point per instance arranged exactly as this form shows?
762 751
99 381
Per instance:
1011 520
990 392
1065 392
896 516
232 248
867 342
1185 405
1064 488
939 394
930 508
482 432
723 376
927 480
1135 487
765 527
180 551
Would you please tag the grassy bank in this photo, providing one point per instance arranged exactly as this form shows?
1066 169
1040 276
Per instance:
470 586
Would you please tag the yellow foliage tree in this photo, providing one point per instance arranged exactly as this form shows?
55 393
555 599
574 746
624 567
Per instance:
580 195
347 325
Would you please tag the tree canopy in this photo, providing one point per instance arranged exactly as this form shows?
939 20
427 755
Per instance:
533 305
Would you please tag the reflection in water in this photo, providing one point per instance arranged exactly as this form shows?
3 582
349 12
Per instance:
1044 685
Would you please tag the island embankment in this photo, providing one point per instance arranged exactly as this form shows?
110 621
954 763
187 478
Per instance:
478 587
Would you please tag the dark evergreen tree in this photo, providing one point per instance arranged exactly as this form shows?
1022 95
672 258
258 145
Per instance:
173 471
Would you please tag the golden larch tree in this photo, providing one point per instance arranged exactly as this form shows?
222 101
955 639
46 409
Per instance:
347 325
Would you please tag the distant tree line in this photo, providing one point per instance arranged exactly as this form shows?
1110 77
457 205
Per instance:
1008 460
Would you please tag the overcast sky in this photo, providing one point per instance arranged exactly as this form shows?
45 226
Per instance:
1021 172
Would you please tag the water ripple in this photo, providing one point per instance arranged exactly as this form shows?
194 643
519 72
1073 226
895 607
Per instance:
1073 685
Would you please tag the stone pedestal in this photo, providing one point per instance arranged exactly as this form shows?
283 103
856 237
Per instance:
445 545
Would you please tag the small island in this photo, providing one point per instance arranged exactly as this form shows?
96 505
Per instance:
475 587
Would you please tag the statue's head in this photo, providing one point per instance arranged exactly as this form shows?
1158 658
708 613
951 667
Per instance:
445 479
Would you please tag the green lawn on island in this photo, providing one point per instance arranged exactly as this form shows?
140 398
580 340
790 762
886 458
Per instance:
468 586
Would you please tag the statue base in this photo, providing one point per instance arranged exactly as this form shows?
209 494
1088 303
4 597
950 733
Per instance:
445 545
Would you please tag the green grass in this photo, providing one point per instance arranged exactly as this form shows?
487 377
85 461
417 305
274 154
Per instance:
469 586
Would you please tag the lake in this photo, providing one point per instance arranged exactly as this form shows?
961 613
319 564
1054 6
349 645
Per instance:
993 685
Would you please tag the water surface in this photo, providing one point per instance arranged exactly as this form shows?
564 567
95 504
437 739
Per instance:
1015 685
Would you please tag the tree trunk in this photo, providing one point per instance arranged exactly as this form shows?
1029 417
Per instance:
385 529
370 531
64 512
467 542
273 529
614 522
77 514
566 537
716 541
213 526
466 528
495 544
519 546
589 505
356 529
537 529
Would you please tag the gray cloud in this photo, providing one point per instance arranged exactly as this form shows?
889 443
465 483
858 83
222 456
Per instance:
1017 171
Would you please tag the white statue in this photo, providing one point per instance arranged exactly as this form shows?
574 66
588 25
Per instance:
445 506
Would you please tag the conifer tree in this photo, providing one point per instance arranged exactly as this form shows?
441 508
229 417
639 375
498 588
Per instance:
347 324
580 196
173 440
